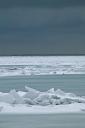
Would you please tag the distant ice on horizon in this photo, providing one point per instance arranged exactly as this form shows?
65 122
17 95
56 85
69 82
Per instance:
41 65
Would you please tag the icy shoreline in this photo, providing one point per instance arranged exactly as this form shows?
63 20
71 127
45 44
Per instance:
35 102
23 109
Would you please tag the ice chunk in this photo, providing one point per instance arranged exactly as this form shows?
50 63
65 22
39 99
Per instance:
2 94
83 109
44 103
43 97
21 93
29 101
70 95
15 95
12 97
7 98
31 89
51 90
60 101
79 100
59 92
66 101
1 107
34 97
54 102
32 93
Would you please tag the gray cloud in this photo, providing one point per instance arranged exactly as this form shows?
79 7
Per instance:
23 18
40 3
42 27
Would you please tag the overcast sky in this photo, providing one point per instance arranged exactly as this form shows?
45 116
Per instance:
42 27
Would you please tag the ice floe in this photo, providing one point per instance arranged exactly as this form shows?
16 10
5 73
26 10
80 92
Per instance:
36 65
41 102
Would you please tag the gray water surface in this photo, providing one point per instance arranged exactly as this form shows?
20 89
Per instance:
69 83
43 121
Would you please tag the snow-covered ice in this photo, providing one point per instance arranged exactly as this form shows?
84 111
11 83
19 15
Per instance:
33 101
47 65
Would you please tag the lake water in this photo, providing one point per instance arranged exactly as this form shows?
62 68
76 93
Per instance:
43 121
69 83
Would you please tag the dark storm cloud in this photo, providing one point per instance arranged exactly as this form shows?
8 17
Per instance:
42 27
40 3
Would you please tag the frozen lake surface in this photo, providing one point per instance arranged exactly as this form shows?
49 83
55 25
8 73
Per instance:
47 65
66 73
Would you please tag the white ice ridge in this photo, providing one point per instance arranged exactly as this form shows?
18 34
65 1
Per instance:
34 101
36 65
